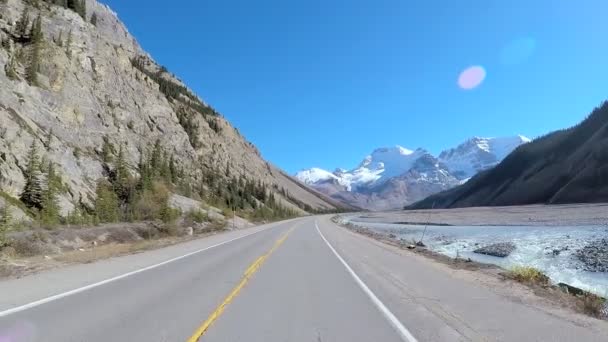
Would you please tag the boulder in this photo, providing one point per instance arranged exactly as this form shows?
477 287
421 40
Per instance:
501 249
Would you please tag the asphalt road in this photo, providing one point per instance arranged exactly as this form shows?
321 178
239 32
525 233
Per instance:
300 280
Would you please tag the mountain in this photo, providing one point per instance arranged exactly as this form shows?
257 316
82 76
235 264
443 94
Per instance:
76 84
478 154
567 166
392 177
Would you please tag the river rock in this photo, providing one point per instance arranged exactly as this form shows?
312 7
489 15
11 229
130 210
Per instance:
501 249
594 256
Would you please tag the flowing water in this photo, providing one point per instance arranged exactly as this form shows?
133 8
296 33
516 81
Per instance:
550 249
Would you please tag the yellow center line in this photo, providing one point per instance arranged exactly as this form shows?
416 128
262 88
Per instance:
235 291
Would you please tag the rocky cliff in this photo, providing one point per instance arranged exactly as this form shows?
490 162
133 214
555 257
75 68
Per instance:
85 87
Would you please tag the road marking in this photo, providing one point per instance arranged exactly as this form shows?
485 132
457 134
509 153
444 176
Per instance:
401 329
235 291
122 276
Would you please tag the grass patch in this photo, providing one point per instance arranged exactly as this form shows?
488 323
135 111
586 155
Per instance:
528 275
17 203
592 305
198 216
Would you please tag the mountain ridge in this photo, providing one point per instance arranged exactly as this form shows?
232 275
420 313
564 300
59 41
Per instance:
390 177
565 166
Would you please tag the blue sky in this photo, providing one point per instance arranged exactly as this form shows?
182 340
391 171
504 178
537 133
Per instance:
323 83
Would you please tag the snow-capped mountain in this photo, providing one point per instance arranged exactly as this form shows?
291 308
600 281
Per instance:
392 177
478 154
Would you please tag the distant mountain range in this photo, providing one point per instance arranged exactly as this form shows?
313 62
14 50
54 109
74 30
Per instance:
566 166
392 177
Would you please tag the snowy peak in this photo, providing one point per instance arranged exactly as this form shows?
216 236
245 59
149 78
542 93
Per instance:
314 175
391 177
478 154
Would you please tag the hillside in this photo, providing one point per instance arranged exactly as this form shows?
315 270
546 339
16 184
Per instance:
77 87
567 166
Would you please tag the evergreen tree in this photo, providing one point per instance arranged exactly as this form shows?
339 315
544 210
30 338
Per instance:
155 158
49 140
82 9
173 170
165 170
36 31
107 150
6 219
22 25
34 63
68 45
106 203
50 208
32 194
145 174
11 68
121 178
94 19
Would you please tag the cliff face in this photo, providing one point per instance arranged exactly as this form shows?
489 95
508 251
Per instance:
95 87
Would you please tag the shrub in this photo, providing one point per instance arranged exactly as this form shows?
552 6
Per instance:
592 305
153 204
197 216
526 274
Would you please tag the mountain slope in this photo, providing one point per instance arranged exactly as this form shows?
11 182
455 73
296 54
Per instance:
566 166
95 90
391 177
478 154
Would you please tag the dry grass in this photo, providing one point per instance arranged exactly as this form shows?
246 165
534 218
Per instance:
107 251
591 305
528 275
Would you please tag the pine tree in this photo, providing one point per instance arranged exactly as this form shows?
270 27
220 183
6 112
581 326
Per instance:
50 209
106 203
165 170
6 219
107 150
34 63
155 159
11 68
49 140
82 9
23 24
94 19
173 170
121 179
36 31
68 45
32 194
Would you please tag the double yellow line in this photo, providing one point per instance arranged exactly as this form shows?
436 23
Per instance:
235 291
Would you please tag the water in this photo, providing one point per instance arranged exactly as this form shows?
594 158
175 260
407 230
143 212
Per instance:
535 247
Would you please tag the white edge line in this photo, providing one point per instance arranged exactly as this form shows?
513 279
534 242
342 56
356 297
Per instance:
401 329
122 276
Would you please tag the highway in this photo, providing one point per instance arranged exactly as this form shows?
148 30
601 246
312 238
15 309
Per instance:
299 280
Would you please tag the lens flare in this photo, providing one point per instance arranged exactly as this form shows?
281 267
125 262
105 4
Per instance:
471 77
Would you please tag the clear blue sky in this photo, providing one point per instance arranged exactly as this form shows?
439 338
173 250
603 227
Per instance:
323 82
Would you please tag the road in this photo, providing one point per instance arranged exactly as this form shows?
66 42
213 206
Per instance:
298 280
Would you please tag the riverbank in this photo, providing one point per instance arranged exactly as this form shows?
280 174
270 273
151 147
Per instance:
458 252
